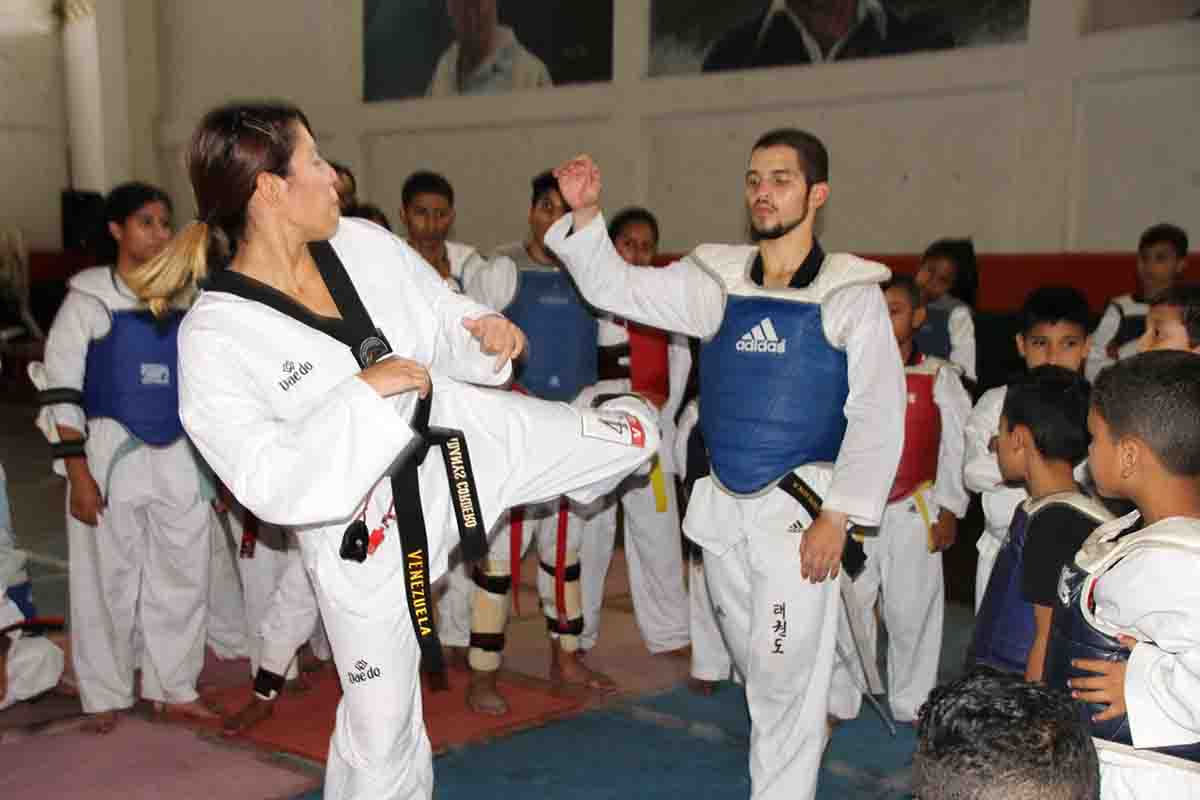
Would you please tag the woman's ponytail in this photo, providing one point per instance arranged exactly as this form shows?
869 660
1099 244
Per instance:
170 279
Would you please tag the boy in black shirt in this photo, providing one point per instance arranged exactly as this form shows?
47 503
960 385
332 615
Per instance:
1042 436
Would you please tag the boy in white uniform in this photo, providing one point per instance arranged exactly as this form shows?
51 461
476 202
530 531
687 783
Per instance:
904 561
1132 601
789 322
1054 330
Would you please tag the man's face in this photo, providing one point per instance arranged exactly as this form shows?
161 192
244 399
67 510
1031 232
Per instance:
428 218
1102 455
906 320
777 193
1158 267
1165 330
473 20
548 210
636 244
1063 344
936 277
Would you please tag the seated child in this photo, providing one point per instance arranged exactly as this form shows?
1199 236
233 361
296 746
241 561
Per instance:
1042 437
1162 254
1173 322
904 561
991 736
948 279
1126 634
1054 330
29 665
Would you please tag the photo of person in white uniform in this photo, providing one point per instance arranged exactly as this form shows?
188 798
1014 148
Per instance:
486 57
318 367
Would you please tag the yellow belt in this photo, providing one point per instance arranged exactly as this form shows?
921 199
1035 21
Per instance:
659 482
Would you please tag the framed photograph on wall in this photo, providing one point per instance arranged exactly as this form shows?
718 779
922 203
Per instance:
442 48
688 36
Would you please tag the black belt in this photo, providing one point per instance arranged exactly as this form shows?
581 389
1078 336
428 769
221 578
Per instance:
414 537
608 362
854 557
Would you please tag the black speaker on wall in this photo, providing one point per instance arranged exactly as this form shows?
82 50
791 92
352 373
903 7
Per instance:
82 219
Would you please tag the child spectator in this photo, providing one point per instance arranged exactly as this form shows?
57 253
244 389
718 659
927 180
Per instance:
1042 437
990 735
1127 629
427 212
1054 330
1174 320
921 519
949 279
1162 254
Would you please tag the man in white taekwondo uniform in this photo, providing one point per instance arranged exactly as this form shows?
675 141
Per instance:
277 409
811 336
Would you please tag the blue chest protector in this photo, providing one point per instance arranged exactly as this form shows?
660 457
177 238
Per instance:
773 391
933 338
1073 636
1004 627
130 376
562 334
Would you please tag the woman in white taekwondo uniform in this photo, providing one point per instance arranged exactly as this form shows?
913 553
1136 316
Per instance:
800 367
313 425
137 517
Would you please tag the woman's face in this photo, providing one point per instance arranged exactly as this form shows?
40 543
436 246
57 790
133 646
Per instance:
311 202
143 234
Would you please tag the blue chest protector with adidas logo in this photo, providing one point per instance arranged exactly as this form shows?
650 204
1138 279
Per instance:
563 335
130 376
773 392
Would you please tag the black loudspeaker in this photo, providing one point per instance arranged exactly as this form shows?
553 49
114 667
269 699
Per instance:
82 219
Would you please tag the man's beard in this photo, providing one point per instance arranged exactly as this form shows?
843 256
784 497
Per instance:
780 230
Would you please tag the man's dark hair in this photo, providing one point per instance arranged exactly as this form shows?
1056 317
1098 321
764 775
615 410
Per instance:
907 284
1185 297
542 183
812 155
629 216
1053 304
342 169
1165 232
960 253
1155 397
992 736
426 182
1052 402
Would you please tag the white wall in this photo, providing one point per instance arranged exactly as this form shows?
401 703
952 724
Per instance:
1064 141
33 135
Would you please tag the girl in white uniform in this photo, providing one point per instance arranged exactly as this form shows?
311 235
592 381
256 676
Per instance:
137 521
653 548
304 431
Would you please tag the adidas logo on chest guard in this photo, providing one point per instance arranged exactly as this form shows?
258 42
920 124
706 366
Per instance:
762 339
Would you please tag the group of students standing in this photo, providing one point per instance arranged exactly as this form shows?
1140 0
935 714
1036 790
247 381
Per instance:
311 379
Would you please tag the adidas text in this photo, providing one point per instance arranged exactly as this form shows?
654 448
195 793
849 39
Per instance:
760 346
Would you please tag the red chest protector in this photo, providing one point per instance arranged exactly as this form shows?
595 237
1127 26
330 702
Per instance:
922 429
649 373
642 361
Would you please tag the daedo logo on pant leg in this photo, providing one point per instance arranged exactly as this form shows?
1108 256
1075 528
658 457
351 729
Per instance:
363 672
762 338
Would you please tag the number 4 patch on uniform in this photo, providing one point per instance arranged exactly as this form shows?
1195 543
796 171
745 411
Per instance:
614 426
